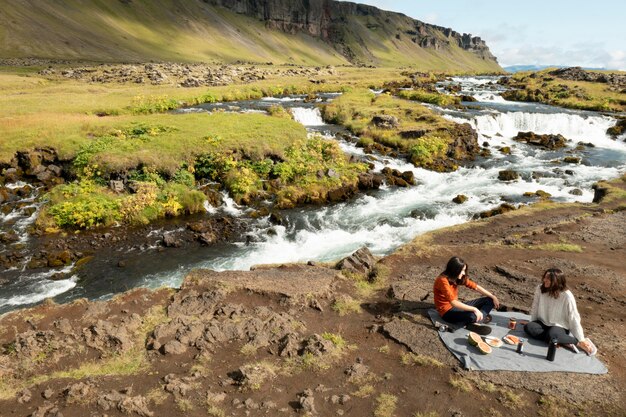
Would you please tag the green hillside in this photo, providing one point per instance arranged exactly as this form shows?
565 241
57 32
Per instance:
196 31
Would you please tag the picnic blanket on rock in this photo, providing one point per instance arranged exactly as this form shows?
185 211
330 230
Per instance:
506 358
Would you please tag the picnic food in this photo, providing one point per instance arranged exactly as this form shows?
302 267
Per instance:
511 340
474 339
484 348
493 342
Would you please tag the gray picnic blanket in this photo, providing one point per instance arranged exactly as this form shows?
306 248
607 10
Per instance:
506 358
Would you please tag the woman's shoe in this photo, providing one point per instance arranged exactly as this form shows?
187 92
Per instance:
588 347
480 329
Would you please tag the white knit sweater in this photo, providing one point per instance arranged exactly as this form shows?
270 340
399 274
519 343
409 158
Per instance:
560 311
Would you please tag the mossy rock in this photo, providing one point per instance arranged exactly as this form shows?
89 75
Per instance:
504 208
508 175
506 150
571 160
460 199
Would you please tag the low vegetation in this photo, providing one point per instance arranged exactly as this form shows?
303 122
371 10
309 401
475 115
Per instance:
461 384
386 405
345 305
391 124
545 88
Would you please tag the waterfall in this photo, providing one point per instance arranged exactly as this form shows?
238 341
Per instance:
308 117
572 126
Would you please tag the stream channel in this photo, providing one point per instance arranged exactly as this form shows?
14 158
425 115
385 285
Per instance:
382 220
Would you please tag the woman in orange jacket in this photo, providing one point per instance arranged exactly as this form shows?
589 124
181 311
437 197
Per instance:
446 290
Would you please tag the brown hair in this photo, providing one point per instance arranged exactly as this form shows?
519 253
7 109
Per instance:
557 282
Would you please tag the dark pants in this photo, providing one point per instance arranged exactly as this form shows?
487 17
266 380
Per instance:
538 330
456 315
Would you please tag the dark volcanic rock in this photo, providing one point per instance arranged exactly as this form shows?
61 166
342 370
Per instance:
361 261
459 199
545 141
618 129
508 175
504 208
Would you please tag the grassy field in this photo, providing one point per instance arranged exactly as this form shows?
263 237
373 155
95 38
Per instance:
583 95
113 130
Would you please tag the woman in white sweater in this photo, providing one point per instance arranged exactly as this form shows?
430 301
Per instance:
554 315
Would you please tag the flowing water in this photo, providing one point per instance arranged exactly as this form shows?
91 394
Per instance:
382 220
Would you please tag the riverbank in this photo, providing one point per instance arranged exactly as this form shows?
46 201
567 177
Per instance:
300 338
572 88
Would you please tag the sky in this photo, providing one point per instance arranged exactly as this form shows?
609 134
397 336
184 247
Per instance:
532 32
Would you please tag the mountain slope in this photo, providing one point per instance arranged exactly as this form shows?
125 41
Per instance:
307 32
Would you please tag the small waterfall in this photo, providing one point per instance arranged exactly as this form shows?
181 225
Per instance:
572 126
308 117
489 97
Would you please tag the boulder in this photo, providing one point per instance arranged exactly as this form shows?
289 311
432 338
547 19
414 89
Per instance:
571 160
361 261
508 175
307 402
550 142
504 208
78 392
170 241
459 199
618 129
116 186
385 121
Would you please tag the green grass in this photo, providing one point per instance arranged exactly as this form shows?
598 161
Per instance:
337 339
558 247
364 391
461 384
166 30
443 100
582 95
345 305
356 109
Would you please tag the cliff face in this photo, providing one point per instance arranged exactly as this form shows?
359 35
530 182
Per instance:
330 20
302 32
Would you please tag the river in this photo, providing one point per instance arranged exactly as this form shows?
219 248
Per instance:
382 220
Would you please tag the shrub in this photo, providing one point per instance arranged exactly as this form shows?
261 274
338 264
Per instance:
85 212
422 96
427 149
184 177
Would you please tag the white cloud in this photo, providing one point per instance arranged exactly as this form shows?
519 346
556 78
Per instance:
585 55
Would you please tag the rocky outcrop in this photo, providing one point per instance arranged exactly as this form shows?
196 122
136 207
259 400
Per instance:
550 142
329 20
579 74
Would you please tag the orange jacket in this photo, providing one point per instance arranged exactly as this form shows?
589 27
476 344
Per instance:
445 293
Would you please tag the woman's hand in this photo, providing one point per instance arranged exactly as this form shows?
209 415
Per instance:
479 315
496 302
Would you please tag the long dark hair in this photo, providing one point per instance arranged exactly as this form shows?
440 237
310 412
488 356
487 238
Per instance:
558 283
453 269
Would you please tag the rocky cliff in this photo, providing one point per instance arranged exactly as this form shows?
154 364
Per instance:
331 21
304 32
